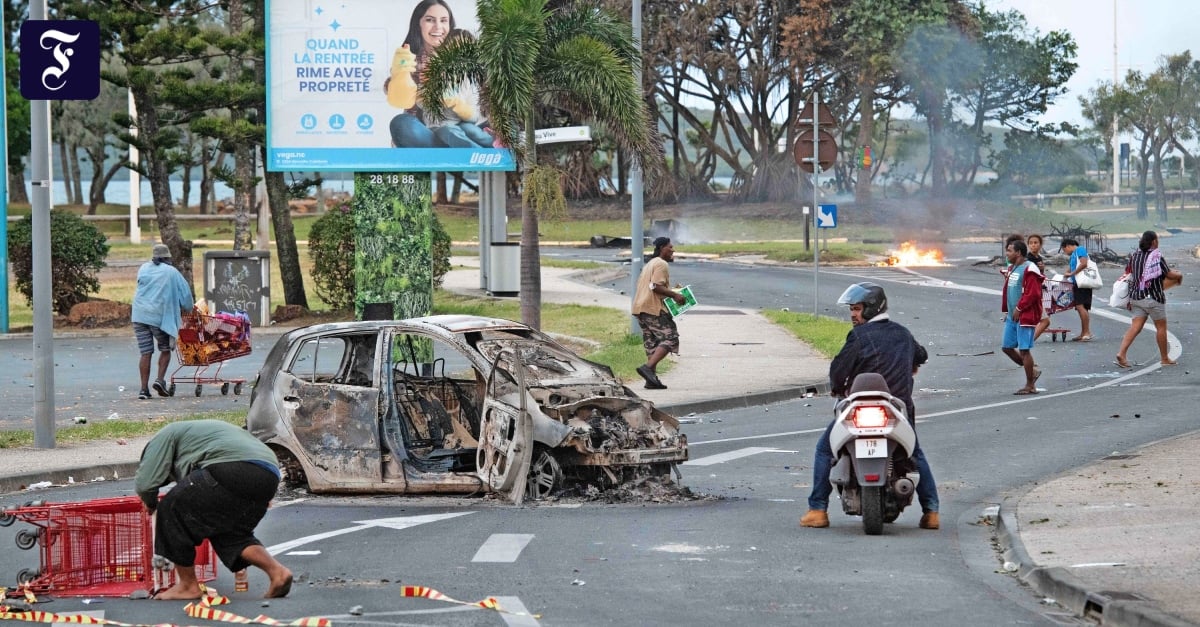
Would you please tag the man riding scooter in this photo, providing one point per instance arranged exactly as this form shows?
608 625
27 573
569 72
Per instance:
875 344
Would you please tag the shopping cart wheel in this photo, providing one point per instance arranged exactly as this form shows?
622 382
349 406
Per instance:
27 575
6 518
237 388
225 389
198 388
26 539
171 390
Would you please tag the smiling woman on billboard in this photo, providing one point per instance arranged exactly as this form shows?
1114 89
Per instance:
328 108
458 123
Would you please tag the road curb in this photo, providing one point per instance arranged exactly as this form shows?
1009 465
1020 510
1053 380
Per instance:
81 475
1068 591
748 400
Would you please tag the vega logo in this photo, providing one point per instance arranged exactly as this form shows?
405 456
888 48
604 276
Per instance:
60 60
484 158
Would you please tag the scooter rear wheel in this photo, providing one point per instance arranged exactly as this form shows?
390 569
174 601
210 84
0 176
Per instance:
872 510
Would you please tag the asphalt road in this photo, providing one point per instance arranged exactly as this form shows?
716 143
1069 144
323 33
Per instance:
737 555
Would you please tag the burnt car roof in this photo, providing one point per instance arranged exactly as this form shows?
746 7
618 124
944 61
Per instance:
448 323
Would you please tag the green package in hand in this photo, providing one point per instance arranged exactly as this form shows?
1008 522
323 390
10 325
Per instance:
689 302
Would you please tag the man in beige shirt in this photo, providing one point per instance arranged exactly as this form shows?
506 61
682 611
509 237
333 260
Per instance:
659 333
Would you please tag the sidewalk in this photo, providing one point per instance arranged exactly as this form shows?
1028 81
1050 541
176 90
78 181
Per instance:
1116 539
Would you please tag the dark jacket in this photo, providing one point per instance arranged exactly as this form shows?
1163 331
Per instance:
880 346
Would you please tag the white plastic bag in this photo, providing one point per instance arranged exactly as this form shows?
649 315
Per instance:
1120 293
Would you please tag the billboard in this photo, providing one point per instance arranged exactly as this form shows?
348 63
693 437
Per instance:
341 89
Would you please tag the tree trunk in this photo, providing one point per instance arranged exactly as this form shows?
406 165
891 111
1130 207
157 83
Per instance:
937 148
65 172
439 197
185 188
866 131
1143 212
160 185
1160 190
76 175
531 263
17 193
243 177
100 181
285 239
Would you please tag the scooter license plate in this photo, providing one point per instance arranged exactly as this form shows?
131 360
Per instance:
870 447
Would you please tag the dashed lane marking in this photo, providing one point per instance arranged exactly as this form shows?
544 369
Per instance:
502 548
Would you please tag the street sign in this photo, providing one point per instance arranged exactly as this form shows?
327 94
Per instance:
824 117
826 216
826 150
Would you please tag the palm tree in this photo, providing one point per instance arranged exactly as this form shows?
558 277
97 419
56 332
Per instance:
576 57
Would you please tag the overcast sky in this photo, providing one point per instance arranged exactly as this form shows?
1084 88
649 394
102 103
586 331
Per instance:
1145 30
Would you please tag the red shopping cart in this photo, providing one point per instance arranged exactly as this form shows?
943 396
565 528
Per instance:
103 548
205 341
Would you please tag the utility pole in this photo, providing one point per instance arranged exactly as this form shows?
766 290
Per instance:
43 294
1116 143
636 240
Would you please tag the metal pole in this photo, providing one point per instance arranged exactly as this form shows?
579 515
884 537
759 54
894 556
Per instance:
636 243
816 211
1116 144
264 207
135 180
43 320
3 194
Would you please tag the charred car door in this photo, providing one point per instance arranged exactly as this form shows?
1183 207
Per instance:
506 429
432 422
328 397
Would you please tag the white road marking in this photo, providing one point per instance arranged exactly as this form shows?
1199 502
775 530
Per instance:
304 553
392 523
732 455
502 548
516 615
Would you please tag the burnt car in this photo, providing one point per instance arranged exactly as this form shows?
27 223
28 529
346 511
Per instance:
451 404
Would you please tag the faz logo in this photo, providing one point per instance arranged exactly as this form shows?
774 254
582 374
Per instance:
484 158
60 60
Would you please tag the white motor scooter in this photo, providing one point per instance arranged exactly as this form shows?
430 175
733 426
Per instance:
873 444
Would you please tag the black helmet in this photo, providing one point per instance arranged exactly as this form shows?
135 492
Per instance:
871 296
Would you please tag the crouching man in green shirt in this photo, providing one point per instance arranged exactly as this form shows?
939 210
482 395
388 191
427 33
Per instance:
224 480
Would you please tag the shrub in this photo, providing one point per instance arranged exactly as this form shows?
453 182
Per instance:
77 250
331 244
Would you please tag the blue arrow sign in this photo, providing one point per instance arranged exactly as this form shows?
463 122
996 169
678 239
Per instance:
826 216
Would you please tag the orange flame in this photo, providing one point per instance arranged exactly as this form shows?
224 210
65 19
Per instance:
910 255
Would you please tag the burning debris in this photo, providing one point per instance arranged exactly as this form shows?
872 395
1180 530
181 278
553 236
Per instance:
910 255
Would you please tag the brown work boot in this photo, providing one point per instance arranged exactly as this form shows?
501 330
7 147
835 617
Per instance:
929 520
815 518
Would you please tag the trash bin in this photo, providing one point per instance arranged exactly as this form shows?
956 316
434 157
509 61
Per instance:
504 269
239 280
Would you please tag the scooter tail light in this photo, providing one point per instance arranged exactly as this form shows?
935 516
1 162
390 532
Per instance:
867 416
871 477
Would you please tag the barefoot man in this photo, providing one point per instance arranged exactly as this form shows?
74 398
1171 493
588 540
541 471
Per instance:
224 480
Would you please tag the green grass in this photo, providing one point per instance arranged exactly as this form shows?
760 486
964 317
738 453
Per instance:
112 429
825 334
788 251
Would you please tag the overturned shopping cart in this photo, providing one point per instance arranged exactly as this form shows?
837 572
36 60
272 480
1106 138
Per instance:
102 548
207 342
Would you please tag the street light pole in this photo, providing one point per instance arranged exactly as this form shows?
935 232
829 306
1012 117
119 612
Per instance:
1116 143
636 240
43 319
